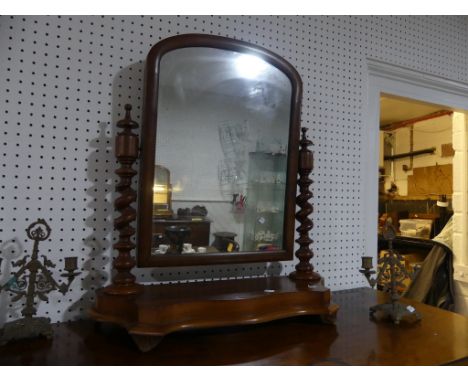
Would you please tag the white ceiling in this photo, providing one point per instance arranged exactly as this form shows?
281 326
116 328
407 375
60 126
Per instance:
396 109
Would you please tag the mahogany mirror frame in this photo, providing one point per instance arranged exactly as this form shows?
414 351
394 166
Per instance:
148 153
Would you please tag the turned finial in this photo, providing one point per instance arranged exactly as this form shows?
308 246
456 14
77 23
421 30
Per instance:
127 122
304 142
128 108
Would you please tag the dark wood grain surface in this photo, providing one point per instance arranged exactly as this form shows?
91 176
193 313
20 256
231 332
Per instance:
166 308
440 338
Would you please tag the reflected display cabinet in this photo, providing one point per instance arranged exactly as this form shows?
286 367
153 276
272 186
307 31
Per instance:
222 117
265 208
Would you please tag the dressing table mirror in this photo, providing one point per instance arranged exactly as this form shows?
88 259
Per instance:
222 116
221 157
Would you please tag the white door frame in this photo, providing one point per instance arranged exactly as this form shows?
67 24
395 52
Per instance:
387 78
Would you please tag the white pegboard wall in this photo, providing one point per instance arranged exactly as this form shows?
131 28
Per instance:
64 81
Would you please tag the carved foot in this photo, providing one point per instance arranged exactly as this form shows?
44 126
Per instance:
330 317
146 343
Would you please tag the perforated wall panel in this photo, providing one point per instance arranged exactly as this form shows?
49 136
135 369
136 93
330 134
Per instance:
63 84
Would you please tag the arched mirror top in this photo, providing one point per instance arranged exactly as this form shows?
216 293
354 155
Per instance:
219 153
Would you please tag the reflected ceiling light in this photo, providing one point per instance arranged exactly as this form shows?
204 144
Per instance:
249 66
177 187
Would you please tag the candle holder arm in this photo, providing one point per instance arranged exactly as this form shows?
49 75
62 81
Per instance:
368 273
63 287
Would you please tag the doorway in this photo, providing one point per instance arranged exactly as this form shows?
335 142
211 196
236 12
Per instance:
415 165
415 193
383 80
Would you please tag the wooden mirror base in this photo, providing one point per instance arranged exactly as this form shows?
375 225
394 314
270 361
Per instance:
162 309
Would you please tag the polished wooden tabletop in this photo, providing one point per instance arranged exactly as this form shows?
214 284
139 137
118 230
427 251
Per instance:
441 337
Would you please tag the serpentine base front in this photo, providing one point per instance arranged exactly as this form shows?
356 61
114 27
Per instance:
162 309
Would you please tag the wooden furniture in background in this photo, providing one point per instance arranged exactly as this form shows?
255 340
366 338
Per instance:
440 338
199 229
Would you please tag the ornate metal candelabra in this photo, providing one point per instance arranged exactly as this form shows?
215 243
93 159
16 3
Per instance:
391 275
34 279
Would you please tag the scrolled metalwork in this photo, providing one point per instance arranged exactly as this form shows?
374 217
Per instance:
390 276
20 283
33 280
43 284
39 230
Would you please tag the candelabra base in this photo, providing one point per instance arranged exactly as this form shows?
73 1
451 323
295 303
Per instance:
395 311
27 327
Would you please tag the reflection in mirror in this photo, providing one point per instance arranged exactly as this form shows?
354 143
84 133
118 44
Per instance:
223 120
162 191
